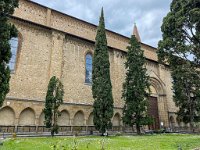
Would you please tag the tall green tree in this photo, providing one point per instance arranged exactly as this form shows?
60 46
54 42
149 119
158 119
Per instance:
136 87
54 98
186 87
101 86
7 31
180 48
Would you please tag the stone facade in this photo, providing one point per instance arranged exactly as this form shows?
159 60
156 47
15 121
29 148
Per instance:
52 43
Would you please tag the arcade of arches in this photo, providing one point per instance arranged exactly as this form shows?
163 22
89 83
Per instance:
27 117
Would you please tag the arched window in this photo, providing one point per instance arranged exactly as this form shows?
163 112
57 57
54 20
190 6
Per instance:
14 47
88 68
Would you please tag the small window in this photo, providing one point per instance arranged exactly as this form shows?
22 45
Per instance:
88 68
14 47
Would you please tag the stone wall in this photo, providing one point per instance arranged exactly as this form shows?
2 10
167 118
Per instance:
31 75
51 18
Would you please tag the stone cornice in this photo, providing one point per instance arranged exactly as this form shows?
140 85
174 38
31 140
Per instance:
10 98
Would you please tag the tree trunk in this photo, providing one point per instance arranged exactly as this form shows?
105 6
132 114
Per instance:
191 109
52 132
191 120
138 129
133 128
191 115
54 123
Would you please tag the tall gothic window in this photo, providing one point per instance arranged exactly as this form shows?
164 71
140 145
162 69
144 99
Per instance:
88 68
14 47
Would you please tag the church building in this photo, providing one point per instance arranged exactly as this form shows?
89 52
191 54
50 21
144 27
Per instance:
51 43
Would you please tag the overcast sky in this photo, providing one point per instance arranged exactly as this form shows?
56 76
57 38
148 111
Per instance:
120 15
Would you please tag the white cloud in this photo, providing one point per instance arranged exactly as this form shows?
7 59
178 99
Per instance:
119 15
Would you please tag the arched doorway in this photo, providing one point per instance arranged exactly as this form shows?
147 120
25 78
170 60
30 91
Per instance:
63 119
79 119
27 117
7 116
172 122
153 109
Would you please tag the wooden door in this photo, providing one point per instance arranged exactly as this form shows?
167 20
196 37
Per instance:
153 112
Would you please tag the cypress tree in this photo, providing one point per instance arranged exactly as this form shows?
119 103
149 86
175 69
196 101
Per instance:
136 87
101 86
7 31
54 98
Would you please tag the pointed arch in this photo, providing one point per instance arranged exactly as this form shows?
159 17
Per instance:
41 119
7 116
79 118
153 90
88 67
158 104
90 120
15 45
157 85
27 117
64 119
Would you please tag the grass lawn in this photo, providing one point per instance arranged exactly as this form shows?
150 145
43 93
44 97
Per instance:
148 142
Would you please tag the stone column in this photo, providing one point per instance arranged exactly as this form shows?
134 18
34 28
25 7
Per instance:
36 120
37 123
85 123
71 124
16 123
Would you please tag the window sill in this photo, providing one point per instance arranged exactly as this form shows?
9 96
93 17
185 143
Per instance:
89 84
12 72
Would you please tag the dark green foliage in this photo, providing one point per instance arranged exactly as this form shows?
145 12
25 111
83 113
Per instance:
136 87
7 31
54 98
181 31
186 86
180 48
101 87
